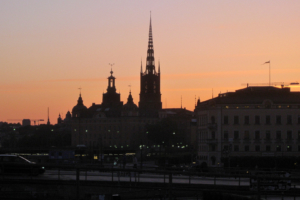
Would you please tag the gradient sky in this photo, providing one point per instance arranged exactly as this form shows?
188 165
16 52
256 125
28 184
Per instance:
48 49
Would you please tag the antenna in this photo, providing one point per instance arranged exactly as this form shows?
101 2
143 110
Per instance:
79 90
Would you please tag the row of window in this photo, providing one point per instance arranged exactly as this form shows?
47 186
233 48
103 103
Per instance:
258 148
258 135
258 119
260 106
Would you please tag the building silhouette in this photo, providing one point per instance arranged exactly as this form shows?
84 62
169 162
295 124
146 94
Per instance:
253 121
119 127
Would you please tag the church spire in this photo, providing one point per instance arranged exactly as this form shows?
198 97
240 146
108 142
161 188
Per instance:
150 96
150 67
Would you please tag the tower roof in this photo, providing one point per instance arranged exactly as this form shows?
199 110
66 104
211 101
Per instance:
150 64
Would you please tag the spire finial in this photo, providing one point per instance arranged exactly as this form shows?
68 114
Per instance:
111 71
79 91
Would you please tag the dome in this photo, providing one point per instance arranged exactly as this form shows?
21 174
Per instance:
79 108
68 115
130 105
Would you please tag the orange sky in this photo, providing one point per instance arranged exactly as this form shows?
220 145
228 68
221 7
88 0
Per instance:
48 49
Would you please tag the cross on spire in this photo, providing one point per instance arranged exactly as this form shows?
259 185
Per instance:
79 90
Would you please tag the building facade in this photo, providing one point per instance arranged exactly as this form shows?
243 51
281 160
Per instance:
254 121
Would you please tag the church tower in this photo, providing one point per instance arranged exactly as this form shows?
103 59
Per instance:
150 96
111 100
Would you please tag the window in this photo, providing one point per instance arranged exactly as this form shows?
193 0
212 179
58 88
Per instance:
278 119
246 135
247 148
289 148
289 119
257 148
225 148
213 160
226 119
268 148
257 135
213 147
236 120
268 135
257 119
213 135
247 120
268 119
236 135
289 135
278 135
236 148
278 148
226 135
213 120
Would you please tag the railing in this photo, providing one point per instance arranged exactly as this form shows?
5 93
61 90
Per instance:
231 179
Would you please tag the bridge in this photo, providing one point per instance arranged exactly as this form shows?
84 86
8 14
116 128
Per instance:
82 182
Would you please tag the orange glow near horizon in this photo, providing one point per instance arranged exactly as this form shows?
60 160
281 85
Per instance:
50 49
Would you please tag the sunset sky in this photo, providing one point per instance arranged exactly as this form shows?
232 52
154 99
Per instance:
49 49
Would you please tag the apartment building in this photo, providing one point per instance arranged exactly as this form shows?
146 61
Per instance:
254 121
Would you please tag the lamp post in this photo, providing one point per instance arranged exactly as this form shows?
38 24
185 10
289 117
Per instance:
141 154
101 151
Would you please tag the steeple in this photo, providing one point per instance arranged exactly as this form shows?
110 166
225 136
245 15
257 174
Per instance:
150 96
150 65
48 122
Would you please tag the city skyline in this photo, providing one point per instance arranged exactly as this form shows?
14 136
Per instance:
50 49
